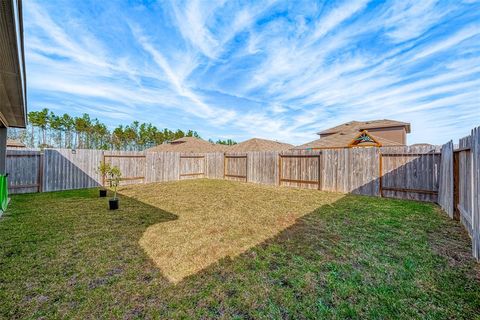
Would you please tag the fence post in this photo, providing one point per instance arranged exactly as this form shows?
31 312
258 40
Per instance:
475 152
224 165
145 171
205 166
319 171
380 172
279 168
40 172
103 176
246 167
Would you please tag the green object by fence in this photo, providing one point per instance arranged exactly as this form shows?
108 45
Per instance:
3 192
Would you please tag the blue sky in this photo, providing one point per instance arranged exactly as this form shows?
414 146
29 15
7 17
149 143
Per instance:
280 70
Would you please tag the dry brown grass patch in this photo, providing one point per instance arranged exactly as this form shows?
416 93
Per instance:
217 219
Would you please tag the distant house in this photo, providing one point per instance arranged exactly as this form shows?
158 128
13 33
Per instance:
188 145
257 144
379 133
15 144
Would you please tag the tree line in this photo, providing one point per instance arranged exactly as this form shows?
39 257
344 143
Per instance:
49 130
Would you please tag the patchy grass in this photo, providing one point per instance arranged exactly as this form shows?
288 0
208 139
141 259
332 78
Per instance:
223 219
64 255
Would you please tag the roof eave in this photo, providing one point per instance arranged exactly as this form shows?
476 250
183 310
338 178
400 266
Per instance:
404 125
16 115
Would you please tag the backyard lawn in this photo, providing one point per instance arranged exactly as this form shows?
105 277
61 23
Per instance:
220 249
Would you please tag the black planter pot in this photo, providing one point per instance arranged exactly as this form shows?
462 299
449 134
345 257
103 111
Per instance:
113 203
103 193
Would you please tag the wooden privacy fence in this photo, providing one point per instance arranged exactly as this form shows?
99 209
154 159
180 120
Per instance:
460 185
411 174
235 167
300 170
132 166
192 166
407 172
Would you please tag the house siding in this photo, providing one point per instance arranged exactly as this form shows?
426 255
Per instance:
396 134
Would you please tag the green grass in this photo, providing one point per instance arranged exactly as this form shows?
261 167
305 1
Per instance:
64 255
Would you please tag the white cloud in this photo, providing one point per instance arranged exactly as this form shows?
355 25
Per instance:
408 19
449 42
336 17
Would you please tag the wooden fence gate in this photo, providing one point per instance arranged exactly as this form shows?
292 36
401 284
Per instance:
235 167
192 166
132 166
300 169
409 175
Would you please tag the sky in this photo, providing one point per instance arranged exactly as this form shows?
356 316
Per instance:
280 70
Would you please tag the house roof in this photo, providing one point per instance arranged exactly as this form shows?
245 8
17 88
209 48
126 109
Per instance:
365 125
188 145
12 65
15 144
343 140
257 144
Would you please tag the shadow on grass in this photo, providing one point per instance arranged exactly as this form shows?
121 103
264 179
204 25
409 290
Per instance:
61 251
360 257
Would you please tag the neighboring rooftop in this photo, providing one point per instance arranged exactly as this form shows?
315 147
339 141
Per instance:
15 144
188 145
257 144
361 134
365 125
344 140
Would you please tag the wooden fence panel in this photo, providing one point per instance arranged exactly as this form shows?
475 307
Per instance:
132 165
192 166
236 166
24 168
162 166
465 170
302 170
363 171
214 165
410 173
353 170
445 188
65 170
343 158
263 167
330 170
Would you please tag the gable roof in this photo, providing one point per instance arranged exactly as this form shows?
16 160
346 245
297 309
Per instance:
365 125
364 137
188 145
257 144
344 140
